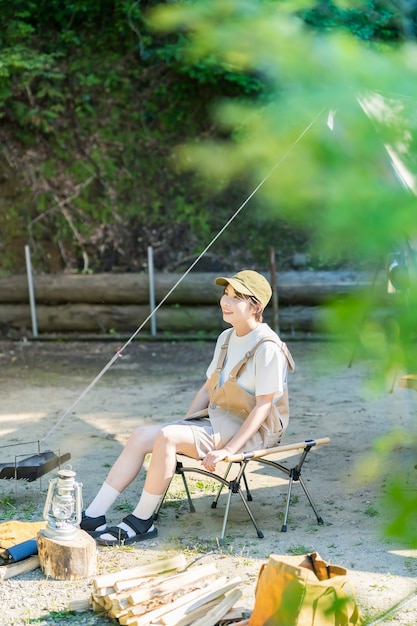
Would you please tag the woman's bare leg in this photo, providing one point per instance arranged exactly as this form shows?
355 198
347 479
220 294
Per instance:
129 463
171 440
124 470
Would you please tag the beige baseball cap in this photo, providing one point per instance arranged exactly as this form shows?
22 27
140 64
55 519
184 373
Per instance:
249 283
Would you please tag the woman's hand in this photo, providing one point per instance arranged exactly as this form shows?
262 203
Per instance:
212 458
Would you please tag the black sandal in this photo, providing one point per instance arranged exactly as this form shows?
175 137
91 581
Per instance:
90 524
121 538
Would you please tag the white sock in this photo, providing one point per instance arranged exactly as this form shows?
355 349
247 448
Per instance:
146 505
103 501
144 510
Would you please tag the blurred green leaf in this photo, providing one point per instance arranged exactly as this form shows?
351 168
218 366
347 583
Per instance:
326 144
332 148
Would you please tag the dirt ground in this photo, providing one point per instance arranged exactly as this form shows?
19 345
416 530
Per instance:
153 382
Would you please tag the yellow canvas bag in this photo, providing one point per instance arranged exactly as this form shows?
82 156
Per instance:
304 591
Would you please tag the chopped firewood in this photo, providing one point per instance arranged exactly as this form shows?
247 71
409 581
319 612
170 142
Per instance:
213 592
194 614
170 613
80 605
21 567
146 595
159 567
142 614
117 601
118 613
235 616
216 613
131 583
174 582
156 590
97 606
99 600
104 591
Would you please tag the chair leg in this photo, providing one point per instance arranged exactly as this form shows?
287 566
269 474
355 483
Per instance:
187 491
294 475
225 475
225 516
178 470
310 499
287 503
249 512
248 493
216 499
161 502
234 487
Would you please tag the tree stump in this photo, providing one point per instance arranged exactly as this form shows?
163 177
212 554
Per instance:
68 559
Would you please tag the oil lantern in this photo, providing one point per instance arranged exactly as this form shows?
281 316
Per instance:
63 505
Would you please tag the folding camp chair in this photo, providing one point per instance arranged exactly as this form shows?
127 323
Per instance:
281 452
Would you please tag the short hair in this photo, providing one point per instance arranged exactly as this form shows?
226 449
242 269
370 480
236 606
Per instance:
253 300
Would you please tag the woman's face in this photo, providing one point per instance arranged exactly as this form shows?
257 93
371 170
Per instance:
235 308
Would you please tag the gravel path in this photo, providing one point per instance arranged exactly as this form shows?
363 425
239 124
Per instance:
153 381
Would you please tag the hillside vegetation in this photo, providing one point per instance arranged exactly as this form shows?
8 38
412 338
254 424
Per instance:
93 103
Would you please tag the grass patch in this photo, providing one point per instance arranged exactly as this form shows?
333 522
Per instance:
301 549
7 507
371 512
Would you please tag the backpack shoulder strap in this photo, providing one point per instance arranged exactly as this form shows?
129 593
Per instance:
223 351
281 345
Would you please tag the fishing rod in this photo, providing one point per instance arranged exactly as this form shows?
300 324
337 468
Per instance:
119 352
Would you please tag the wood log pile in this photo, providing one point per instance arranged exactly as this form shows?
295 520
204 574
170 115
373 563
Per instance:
109 303
167 593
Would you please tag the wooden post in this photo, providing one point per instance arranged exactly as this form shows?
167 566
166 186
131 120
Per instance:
152 304
68 559
31 292
273 271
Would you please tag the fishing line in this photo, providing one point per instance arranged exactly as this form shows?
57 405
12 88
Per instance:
397 607
180 280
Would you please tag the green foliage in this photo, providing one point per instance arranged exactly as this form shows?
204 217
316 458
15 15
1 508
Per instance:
332 147
369 20
402 503
93 100
298 550
392 461
8 507
322 158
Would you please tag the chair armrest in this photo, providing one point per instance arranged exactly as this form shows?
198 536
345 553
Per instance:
289 447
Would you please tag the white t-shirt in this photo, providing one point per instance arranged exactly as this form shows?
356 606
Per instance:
265 373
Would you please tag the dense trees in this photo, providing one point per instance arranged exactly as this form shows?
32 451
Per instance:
93 102
92 105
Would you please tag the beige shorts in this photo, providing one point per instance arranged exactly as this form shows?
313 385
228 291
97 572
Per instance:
204 438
